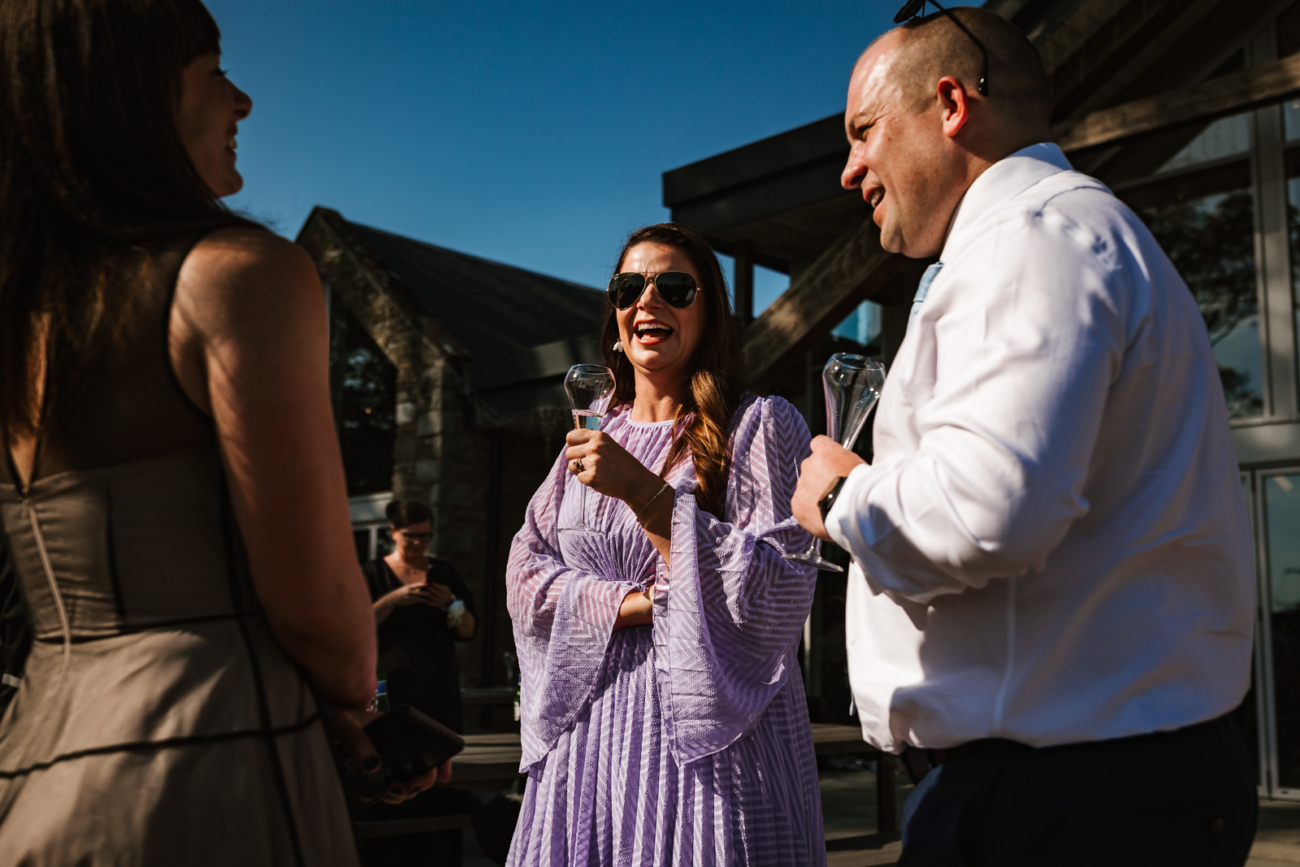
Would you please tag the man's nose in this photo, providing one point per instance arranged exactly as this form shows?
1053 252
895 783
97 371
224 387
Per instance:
854 172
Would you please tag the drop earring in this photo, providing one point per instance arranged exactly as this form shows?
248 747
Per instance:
618 346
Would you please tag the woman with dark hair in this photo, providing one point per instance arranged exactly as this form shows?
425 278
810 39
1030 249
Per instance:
664 719
170 485
422 607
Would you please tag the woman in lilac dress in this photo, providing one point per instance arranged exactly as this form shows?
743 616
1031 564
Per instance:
664 718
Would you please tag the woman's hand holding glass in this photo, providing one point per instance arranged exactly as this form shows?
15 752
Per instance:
607 468
603 465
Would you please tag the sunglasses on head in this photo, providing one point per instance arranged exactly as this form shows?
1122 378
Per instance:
914 8
677 288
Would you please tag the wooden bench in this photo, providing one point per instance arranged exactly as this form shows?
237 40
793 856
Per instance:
837 740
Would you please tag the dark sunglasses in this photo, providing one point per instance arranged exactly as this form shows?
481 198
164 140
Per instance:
913 8
677 288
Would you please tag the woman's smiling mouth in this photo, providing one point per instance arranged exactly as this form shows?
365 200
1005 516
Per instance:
651 332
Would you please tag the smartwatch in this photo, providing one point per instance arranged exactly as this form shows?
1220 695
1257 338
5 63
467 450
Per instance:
826 503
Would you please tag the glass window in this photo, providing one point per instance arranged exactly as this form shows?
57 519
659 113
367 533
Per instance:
1282 503
863 325
1204 220
1247 713
1293 221
363 383
1228 137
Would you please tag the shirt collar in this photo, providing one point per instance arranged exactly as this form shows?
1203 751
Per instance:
1002 181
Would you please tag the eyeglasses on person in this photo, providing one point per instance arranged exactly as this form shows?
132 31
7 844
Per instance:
415 537
913 8
677 288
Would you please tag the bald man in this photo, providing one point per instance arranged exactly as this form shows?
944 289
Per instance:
1051 604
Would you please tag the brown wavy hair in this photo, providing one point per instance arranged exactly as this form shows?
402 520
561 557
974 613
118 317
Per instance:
715 382
93 175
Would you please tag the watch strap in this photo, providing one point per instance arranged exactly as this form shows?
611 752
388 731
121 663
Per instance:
826 503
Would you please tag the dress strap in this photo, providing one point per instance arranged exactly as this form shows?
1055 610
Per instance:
186 248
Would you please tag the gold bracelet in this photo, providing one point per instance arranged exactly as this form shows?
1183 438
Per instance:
666 487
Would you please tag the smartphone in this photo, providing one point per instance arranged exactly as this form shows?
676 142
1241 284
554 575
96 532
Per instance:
410 743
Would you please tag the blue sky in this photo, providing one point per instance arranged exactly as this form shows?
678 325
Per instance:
529 133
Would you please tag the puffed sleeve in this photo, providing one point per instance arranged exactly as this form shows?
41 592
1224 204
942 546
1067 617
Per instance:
728 620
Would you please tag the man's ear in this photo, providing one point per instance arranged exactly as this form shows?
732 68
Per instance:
954 103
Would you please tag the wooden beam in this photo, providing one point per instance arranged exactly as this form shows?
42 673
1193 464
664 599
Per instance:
855 268
1199 103
743 283
847 273
1188 15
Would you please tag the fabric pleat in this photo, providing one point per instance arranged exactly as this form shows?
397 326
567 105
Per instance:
686 742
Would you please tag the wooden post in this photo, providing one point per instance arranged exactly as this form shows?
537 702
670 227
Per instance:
487 618
886 809
743 285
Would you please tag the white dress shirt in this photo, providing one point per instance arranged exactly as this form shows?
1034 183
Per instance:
1052 545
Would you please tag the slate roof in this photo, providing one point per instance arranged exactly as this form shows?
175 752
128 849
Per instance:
488 308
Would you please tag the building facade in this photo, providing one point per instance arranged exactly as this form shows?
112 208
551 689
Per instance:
447 378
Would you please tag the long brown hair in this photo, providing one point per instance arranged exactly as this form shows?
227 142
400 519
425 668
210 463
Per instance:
715 383
93 173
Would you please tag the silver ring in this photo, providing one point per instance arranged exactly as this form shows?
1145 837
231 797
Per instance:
577 466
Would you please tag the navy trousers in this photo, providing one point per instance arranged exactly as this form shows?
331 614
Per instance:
1185 798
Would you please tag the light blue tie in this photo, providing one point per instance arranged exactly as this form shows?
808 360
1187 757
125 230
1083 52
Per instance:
926 279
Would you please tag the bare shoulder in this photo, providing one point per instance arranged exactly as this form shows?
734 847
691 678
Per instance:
240 255
245 277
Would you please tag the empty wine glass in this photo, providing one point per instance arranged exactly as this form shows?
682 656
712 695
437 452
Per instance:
590 388
852 384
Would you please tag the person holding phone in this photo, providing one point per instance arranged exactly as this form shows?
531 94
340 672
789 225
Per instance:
422 608
170 483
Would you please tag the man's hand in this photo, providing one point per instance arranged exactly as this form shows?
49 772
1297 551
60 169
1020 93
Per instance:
817 476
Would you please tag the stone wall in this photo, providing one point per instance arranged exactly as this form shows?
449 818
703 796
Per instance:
442 455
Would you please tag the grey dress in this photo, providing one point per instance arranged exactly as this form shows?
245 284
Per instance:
158 721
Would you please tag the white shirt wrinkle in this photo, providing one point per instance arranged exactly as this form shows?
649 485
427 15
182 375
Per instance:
1054 412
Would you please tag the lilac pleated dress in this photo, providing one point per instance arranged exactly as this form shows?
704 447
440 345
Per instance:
686 742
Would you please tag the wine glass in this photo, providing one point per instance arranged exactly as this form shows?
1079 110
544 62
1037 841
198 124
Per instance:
590 388
852 384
